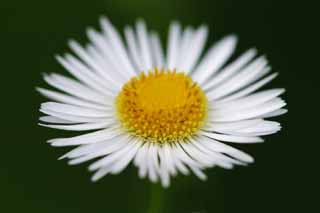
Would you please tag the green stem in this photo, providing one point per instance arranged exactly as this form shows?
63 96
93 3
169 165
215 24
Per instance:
156 198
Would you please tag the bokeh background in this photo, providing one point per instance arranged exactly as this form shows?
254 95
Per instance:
284 177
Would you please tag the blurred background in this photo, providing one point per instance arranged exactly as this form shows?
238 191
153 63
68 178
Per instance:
284 177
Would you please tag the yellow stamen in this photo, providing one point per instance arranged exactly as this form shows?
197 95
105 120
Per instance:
161 106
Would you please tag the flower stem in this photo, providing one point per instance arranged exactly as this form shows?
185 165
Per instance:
156 198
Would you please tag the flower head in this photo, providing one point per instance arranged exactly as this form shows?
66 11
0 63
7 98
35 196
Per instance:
167 113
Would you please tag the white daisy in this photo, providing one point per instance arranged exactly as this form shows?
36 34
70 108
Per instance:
168 113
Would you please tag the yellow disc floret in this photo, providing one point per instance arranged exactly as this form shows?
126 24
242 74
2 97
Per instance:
161 106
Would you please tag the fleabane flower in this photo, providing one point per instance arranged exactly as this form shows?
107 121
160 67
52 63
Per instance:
168 113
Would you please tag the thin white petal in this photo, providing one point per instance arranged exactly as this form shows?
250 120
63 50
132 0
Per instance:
173 45
197 155
249 101
134 51
193 165
74 88
220 159
76 110
223 148
108 63
248 113
240 80
60 97
117 44
73 118
80 127
153 163
164 172
194 49
216 57
113 157
102 52
144 43
87 149
232 138
100 174
230 69
230 126
51 119
124 160
263 128
140 160
112 145
83 73
89 60
275 113
169 159
157 50
249 89
178 163
89 138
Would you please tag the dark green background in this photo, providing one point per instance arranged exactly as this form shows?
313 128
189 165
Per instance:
283 179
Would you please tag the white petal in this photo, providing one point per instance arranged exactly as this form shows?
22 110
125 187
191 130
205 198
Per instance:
223 148
164 172
110 146
76 110
124 160
194 50
103 54
83 73
87 149
80 127
109 64
216 57
232 138
88 59
197 155
230 126
185 47
275 113
218 158
173 45
134 51
140 160
113 157
230 69
169 159
181 154
144 44
248 101
89 138
249 89
199 173
117 44
263 128
240 80
73 118
152 162
178 163
193 165
248 113
57 96
51 119
75 89
157 50
100 174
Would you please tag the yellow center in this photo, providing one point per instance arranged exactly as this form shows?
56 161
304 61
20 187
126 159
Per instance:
161 106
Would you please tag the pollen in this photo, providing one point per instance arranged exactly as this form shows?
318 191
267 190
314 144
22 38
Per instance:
161 106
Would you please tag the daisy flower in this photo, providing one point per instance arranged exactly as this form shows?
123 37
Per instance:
167 112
